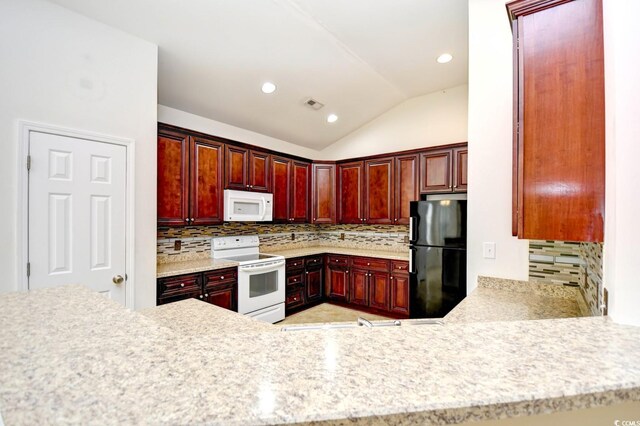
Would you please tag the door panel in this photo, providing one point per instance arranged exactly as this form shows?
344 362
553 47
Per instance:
259 173
300 186
236 174
350 195
460 173
406 172
378 191
280 180
314 284
323 197
173 178
399 302
379 290
223 296
359 287
206 182
77 213
338 284
435 171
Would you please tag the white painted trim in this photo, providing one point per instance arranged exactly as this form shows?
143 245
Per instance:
25 128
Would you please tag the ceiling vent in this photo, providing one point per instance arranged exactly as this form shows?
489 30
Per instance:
313 104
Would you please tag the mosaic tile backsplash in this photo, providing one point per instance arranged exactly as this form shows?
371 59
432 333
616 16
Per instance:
196 240
560 262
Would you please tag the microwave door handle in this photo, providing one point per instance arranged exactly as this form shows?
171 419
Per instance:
264 208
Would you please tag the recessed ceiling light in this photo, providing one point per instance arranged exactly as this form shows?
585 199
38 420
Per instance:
444 58
332 118
268 87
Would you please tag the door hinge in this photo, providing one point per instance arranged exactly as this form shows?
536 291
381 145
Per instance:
28 269
28 162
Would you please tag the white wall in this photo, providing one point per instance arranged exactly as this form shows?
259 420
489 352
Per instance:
490 150
435 119
622 228
49 58
217 128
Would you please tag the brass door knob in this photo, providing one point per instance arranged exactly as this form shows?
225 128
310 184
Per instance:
118 279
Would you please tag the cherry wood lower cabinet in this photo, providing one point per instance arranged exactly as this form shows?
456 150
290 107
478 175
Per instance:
359 287
399 300
337 283
219 287
305 279
379 290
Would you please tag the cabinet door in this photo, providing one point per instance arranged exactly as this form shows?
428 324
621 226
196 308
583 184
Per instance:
314 284
378 191
236 174
359 287
223 296
206 182
435 171
280 180
350 193
323 193
399 294
173 178
259 173
406 187
338 283
300 187
379 290
460 169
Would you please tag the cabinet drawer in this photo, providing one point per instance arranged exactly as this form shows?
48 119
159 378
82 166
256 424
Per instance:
182 284
399 266
295 297
221 276
338 260
295 279
295 264
370 263
313 261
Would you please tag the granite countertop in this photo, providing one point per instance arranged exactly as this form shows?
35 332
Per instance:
70 355
509 300
201 264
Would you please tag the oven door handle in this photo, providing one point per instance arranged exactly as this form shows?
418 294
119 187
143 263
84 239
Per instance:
272 266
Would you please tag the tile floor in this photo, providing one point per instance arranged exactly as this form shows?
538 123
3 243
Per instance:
329 313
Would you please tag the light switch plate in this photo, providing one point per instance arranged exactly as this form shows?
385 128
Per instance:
489 250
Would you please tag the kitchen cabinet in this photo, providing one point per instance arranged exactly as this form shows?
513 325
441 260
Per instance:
460 159
291 186
219 287
323 195
378 191
189 179
559 120
379 290
370 282
247 169
359 287
314 279
436 170
399 283
350 192
406 187
337 280
305 278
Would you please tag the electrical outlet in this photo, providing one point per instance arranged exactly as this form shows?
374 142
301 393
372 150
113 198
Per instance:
293 237
342 235
177 245
489 250
406 239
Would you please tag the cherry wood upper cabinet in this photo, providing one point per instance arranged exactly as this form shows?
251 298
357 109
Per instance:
350 177
259 173
300 191
559 122
378 191
323 195
435 171
460 161
206 195
236 165
280 170
173 178
406 187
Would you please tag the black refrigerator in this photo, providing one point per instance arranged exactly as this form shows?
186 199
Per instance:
438 257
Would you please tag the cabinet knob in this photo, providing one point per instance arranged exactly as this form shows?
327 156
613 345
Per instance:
250 186
201 296
206 295
368 264
187 220
181 284
295 279
307 272
347 271
222 277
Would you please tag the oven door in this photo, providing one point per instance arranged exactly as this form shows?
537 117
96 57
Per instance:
242 206
260 286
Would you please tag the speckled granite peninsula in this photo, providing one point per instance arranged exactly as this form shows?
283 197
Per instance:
72 356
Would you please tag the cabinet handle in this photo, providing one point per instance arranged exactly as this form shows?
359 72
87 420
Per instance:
187 220
347 271
307 272
368 264
192 220
222 277
201 296
206 295
250 186
181 284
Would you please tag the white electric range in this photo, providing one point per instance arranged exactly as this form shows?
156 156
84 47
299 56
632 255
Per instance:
261 277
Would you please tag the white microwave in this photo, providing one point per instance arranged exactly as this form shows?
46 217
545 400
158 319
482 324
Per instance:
241 206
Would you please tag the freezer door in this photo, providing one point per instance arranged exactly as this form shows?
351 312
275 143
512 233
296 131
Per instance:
441 223
438 281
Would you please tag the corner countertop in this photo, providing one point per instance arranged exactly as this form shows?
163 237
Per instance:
202 264
69 355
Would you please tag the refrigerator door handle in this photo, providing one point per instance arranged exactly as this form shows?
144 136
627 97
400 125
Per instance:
412 252
411 219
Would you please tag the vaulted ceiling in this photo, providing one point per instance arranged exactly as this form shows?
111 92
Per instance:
357 57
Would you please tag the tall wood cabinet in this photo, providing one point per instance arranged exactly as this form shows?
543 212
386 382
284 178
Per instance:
323 195
350 192
406 187
291 190
189 179
378 191
559 122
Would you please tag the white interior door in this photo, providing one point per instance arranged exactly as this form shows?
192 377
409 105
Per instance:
77 214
